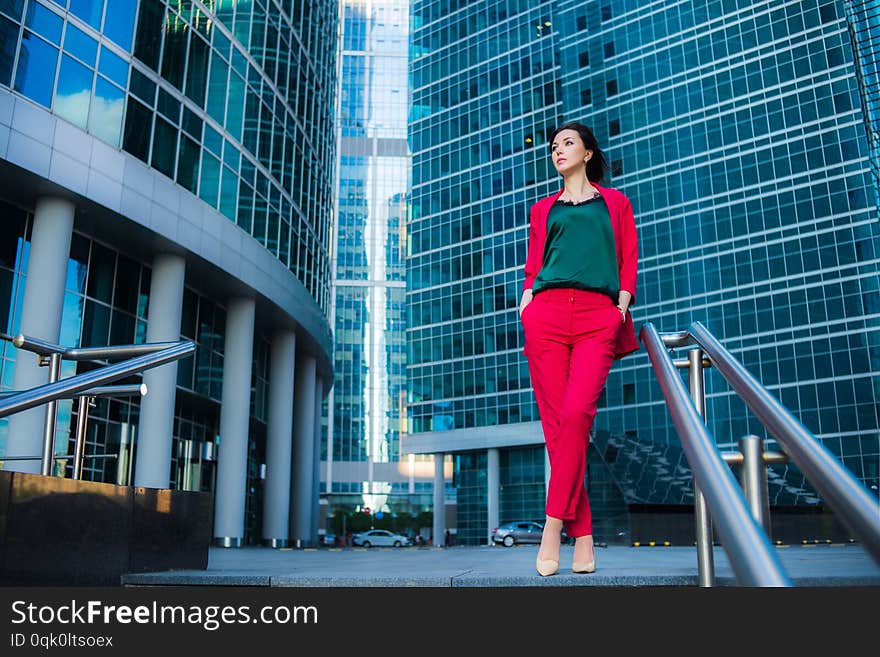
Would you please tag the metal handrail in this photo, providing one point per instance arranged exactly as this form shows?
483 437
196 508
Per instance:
137 389
845 494
85 385
751 555
44 348
59 457
82 383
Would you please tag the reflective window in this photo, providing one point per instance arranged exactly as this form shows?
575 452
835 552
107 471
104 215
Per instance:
71 319
235 105
164 147
108 104
197 71
231 156
80 45
8 44
36 69
77 266
174 52
127 281
188 164
169 106
136 139
114 67
213 141
192 123
88 10
119 21
122 328
96 324
209 182
221 43
148 43
101 273
143 87
44 22
74 91
229 193
217 89
242 27
12 8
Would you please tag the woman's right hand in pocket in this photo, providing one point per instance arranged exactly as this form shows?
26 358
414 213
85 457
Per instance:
527 298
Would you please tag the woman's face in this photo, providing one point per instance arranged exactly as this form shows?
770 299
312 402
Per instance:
568 152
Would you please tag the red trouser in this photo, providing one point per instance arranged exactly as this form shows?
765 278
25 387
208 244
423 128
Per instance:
570 336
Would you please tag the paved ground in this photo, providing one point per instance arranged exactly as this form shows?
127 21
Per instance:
814 565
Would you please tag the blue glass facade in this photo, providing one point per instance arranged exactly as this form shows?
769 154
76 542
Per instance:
200 131
484 99
739 138
364 467
863 18
737 129
228 99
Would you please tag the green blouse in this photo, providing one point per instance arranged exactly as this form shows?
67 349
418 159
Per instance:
579 251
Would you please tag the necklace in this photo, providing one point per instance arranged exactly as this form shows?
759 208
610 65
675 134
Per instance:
590 197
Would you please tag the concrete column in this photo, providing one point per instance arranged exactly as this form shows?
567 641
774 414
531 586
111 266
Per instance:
328 475
439 501
303 452
493 497
156 423
316 459
40 318
279 440
231 486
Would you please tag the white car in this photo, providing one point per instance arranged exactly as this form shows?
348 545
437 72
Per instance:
379 537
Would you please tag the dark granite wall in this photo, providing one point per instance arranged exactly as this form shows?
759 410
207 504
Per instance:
56 531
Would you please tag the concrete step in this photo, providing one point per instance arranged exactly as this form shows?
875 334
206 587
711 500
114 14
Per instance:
484 566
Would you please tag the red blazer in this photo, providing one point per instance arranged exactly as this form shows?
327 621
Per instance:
624 226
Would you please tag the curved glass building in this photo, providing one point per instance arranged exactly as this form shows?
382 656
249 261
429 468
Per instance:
167 172
744 134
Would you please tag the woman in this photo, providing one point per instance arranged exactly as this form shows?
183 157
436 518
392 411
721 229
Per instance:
580 283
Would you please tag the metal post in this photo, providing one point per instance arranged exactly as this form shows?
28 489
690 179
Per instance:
82 418
122 459
187 464
51 416
705 555
131 454
753 476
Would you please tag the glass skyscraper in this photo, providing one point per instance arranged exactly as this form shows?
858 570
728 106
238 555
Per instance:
186 151
738 131
363 464
863 17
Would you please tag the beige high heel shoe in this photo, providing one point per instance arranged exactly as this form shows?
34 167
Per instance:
546 567
584 567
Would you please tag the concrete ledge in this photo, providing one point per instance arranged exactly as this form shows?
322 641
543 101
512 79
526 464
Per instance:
195 578
498 567
360 582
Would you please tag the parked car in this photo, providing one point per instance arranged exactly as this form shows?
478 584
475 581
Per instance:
512 533
328 539
379 537
526 531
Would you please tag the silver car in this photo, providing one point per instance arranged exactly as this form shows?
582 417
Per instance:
512 533
525 531
380 537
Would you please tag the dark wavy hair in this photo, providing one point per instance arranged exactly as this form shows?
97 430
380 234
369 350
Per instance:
597 166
